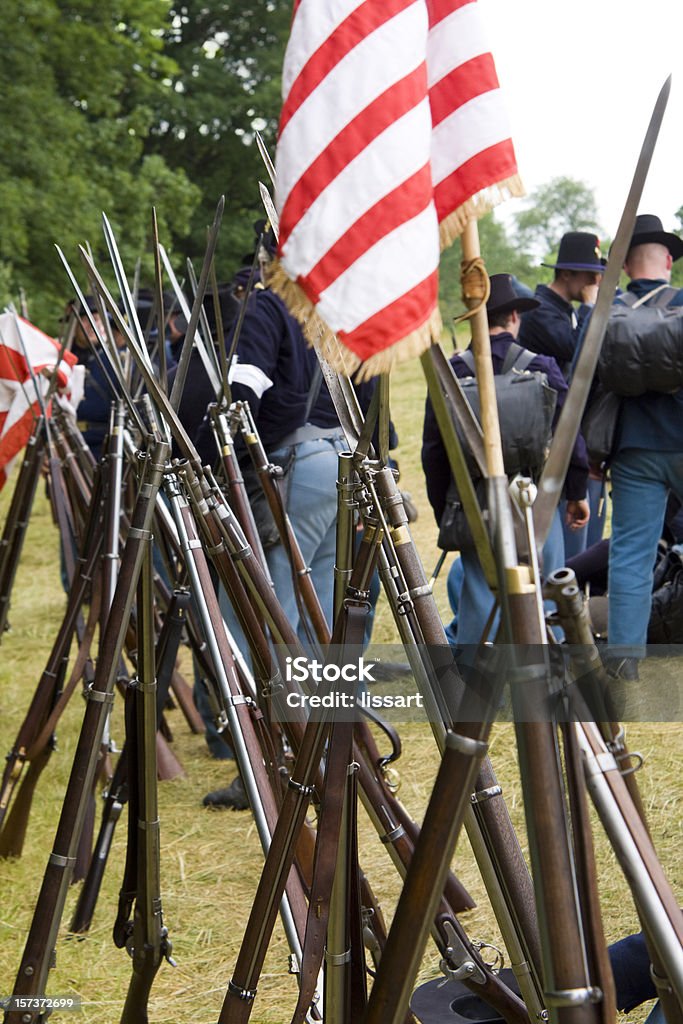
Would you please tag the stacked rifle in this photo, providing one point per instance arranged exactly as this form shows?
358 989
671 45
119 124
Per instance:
141 572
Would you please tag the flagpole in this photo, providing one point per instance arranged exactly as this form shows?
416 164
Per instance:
475 288
475 293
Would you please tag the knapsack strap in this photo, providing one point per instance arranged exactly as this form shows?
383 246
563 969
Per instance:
662 294
468 360
516 358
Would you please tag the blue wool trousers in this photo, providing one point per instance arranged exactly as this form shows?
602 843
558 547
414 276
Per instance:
641 481
312 511
471 598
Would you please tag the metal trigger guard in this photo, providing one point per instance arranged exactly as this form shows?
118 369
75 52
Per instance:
391 776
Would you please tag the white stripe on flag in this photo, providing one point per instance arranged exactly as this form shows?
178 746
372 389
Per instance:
359 78
472 128
384 273
391 159
313 24
454 41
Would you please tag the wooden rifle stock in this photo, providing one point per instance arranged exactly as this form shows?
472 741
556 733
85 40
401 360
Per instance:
115 797
179 686
45 694
591 678
586 874
117 791
40 944
235 493
242 987
425 878
147 940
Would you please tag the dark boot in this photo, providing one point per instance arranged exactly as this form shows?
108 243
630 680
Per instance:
234 796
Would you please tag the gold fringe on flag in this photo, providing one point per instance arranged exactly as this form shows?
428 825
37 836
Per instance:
477 206
410 347
341 359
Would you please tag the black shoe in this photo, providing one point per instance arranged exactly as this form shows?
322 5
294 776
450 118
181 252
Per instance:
625 669
234 796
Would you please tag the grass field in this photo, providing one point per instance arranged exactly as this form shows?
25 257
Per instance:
211 861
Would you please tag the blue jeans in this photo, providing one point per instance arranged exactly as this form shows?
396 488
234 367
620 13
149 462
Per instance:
312 511
576 541
475 599
641 481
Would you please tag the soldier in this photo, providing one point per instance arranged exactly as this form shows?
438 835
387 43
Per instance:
504 309
553 329
94 407
647 463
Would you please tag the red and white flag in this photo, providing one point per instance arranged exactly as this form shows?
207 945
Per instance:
20 342
392 135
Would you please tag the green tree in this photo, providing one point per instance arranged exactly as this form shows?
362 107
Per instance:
228 56
79 82
500 255
561 205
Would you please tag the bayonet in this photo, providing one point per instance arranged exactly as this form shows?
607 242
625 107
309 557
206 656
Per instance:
184 361
269 207
207 362
116 364
159 302
265 156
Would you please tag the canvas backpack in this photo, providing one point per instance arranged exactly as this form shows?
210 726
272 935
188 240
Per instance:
633 359
643 345
526 406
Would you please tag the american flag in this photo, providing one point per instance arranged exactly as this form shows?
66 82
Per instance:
392 135
19 403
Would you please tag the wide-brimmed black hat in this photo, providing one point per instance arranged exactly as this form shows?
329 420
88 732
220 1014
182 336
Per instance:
579 250
504 298
648 228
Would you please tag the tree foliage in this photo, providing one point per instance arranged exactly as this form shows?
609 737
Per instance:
561 205
119 105
80 81
501 256
228 58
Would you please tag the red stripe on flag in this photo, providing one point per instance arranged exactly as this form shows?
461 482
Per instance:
440 9
408 313
489 167
398 207
13 366
366 18
387 108
15 439
461 85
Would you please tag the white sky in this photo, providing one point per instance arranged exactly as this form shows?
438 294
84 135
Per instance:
580 80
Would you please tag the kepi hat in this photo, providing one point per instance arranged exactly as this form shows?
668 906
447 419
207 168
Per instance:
504 298
648 228
579 250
